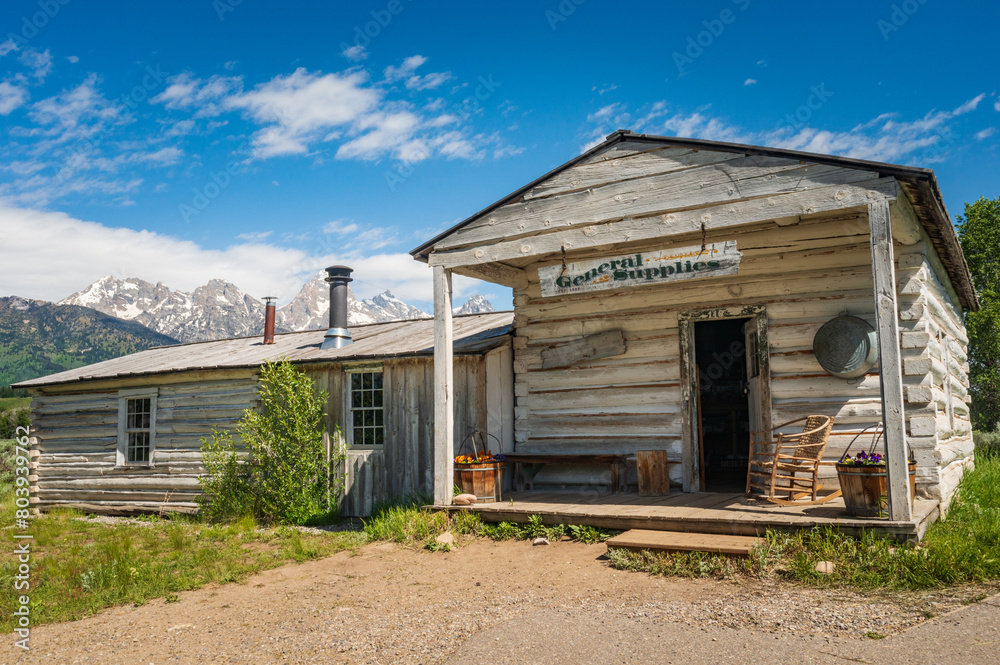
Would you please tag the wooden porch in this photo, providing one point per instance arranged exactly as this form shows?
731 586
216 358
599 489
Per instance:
694 512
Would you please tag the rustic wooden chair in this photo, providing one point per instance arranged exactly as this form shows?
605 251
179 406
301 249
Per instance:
776 462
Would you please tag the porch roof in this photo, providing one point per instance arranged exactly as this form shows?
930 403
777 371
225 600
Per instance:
919 184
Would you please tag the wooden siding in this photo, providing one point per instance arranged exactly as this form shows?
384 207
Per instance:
804 233
404 465
803 275
77 439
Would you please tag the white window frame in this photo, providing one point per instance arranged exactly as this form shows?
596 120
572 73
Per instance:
124 395
348 428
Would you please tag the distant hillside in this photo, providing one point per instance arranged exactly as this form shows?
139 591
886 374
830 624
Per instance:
38 338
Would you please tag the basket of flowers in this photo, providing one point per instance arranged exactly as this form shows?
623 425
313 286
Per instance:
864 481
480 474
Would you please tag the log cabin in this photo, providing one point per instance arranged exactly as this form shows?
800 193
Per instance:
124 435
668 295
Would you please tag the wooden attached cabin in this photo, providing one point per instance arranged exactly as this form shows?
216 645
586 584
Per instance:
716 264
381 392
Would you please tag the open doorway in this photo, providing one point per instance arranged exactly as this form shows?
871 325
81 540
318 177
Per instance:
725 408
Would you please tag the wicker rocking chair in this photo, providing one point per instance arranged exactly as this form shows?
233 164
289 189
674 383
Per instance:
789 463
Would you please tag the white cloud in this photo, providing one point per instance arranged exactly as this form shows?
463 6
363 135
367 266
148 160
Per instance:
161 157
73 109
996 105
34 241
73 59
750 82
254 237
885 137
11 97
7 46
405 70
186 91
340 227
40 62
355 53
303 106
428 81
388 132
601 91
986 133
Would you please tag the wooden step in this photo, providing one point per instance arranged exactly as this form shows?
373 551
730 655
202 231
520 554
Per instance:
677 541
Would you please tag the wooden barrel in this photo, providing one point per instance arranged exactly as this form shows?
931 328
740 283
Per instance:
865 489
485 481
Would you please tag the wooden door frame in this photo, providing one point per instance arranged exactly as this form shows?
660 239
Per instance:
685 324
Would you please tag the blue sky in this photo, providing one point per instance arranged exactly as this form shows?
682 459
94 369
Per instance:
180 141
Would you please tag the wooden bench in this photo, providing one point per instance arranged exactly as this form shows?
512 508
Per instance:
527 466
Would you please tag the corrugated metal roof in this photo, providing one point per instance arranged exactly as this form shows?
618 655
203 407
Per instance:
474 333
920 185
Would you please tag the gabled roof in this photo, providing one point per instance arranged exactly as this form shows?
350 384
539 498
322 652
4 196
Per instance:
919 184
474 334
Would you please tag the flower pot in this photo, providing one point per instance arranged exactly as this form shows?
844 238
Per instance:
485 481
865 489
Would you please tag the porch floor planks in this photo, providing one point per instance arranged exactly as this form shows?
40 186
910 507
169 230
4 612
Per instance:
702 512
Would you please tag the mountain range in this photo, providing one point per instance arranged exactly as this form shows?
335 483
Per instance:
220 309
39 338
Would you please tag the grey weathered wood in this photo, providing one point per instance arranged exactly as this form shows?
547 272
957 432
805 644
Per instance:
890 372
444 396
576 237
590 347
714 184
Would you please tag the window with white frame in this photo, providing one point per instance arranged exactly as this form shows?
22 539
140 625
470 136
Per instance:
366 408
136 427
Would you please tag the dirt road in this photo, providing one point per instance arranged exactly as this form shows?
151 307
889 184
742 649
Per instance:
494 603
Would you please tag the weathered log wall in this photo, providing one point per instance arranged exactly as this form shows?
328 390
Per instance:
77 434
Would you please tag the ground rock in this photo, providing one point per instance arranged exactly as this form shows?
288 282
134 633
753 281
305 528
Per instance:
464 499
446 539
541 540
826 567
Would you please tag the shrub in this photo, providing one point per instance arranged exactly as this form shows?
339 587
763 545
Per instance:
987 443
281 476
12 418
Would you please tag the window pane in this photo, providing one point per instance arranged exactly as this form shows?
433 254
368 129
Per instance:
377 380
379 436
356 398
366 381
138 447
355 382
377 398
358 418
378 417
366 399
366 437
369 419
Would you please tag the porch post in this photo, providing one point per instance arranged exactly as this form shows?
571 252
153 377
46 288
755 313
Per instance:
890 372
444 394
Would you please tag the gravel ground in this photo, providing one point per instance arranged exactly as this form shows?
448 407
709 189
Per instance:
389 604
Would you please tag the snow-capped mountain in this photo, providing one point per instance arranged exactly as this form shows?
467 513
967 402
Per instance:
216 310
220 309
310 309
477 304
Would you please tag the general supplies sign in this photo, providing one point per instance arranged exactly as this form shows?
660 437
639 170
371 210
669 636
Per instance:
641 269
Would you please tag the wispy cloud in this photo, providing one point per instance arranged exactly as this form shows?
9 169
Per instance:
39 62
355 53
11 97
254 237
186 91
886 137
750 82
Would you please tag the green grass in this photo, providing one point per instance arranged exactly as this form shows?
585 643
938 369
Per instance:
13 402
80 567
963 549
